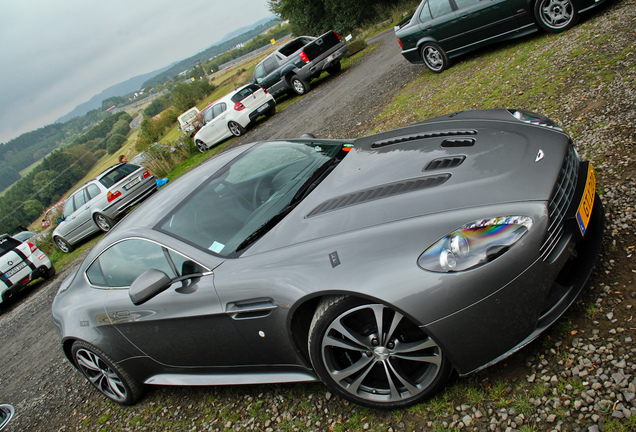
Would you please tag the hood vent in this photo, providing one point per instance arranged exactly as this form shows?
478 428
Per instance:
379 192
445 163
405 138
467 142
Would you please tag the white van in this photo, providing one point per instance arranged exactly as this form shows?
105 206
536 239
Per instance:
188 121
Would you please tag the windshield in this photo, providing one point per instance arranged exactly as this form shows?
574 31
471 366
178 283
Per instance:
251 194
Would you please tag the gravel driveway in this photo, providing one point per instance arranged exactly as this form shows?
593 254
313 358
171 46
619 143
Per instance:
579 376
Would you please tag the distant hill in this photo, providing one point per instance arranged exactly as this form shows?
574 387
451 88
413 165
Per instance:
240 35
123 88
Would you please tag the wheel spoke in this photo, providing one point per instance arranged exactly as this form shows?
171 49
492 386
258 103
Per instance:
401 348
88 361
362 363
403 380
397 319
395 393
357 342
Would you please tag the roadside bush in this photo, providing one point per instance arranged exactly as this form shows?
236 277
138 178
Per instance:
162 161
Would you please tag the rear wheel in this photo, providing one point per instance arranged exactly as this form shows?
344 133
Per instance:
201 146
334 68
63 245
373 355
434 57
555 16
100 370
235 128
299 85
271 111
103 222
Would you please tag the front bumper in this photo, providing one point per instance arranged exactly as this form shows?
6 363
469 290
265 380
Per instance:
516 314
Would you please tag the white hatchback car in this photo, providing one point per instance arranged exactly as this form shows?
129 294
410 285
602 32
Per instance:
231 114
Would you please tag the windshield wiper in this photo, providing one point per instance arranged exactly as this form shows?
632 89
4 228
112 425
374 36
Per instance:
313 181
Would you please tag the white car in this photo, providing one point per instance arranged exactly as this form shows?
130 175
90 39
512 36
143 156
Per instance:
231 114
20 263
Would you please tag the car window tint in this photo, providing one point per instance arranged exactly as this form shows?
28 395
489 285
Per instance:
270 64
218 109
80 198
244 92
118 174
439 7
93 191
121 264
259 72
425 13
462 4
69 207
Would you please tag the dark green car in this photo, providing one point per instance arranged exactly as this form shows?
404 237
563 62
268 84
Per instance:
442 29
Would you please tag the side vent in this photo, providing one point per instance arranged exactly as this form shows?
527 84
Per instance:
379 192
405 138
445 163
469 142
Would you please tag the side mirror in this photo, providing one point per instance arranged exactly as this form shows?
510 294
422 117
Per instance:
148 285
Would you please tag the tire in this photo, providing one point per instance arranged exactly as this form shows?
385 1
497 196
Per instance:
555 16
103 222
100 370
271 111
299 85
434 57
353 359
235 128
334 68
63 245
201 146
49 273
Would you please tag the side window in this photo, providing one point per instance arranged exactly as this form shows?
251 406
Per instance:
69 207
121 264
270 64
425 13
439 8
259 72
463 4
93 191
80 198
218 109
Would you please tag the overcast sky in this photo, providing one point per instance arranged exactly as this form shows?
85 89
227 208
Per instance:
57 54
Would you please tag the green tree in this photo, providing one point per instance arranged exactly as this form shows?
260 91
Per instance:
33 209
114 143
186 96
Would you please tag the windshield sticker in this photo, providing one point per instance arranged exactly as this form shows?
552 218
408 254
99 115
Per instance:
217 247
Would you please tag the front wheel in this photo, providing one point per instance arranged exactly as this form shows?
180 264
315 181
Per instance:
434 57
62 245
111 380
103 222
555 16
299 85
235 128
373 355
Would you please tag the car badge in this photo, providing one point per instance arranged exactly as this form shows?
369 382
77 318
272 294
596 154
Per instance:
10 263
540 155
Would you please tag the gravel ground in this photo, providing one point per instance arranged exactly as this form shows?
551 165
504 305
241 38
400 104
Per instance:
579 376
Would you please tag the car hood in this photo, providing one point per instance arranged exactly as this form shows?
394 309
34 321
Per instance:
468 159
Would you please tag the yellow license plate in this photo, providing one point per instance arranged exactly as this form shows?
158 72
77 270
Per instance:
584 212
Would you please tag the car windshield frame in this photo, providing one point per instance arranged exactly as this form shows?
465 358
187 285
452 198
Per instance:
246 198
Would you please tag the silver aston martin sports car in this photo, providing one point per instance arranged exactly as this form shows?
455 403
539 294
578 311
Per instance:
378 265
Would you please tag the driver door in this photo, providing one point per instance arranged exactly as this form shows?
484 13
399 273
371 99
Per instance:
185 325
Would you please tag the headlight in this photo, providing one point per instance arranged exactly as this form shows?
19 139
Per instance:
535 119
474 244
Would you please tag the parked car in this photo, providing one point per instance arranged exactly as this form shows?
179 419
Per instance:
6 414
291 68
440 30
230 115
98 203
21 263
189 121
377 265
